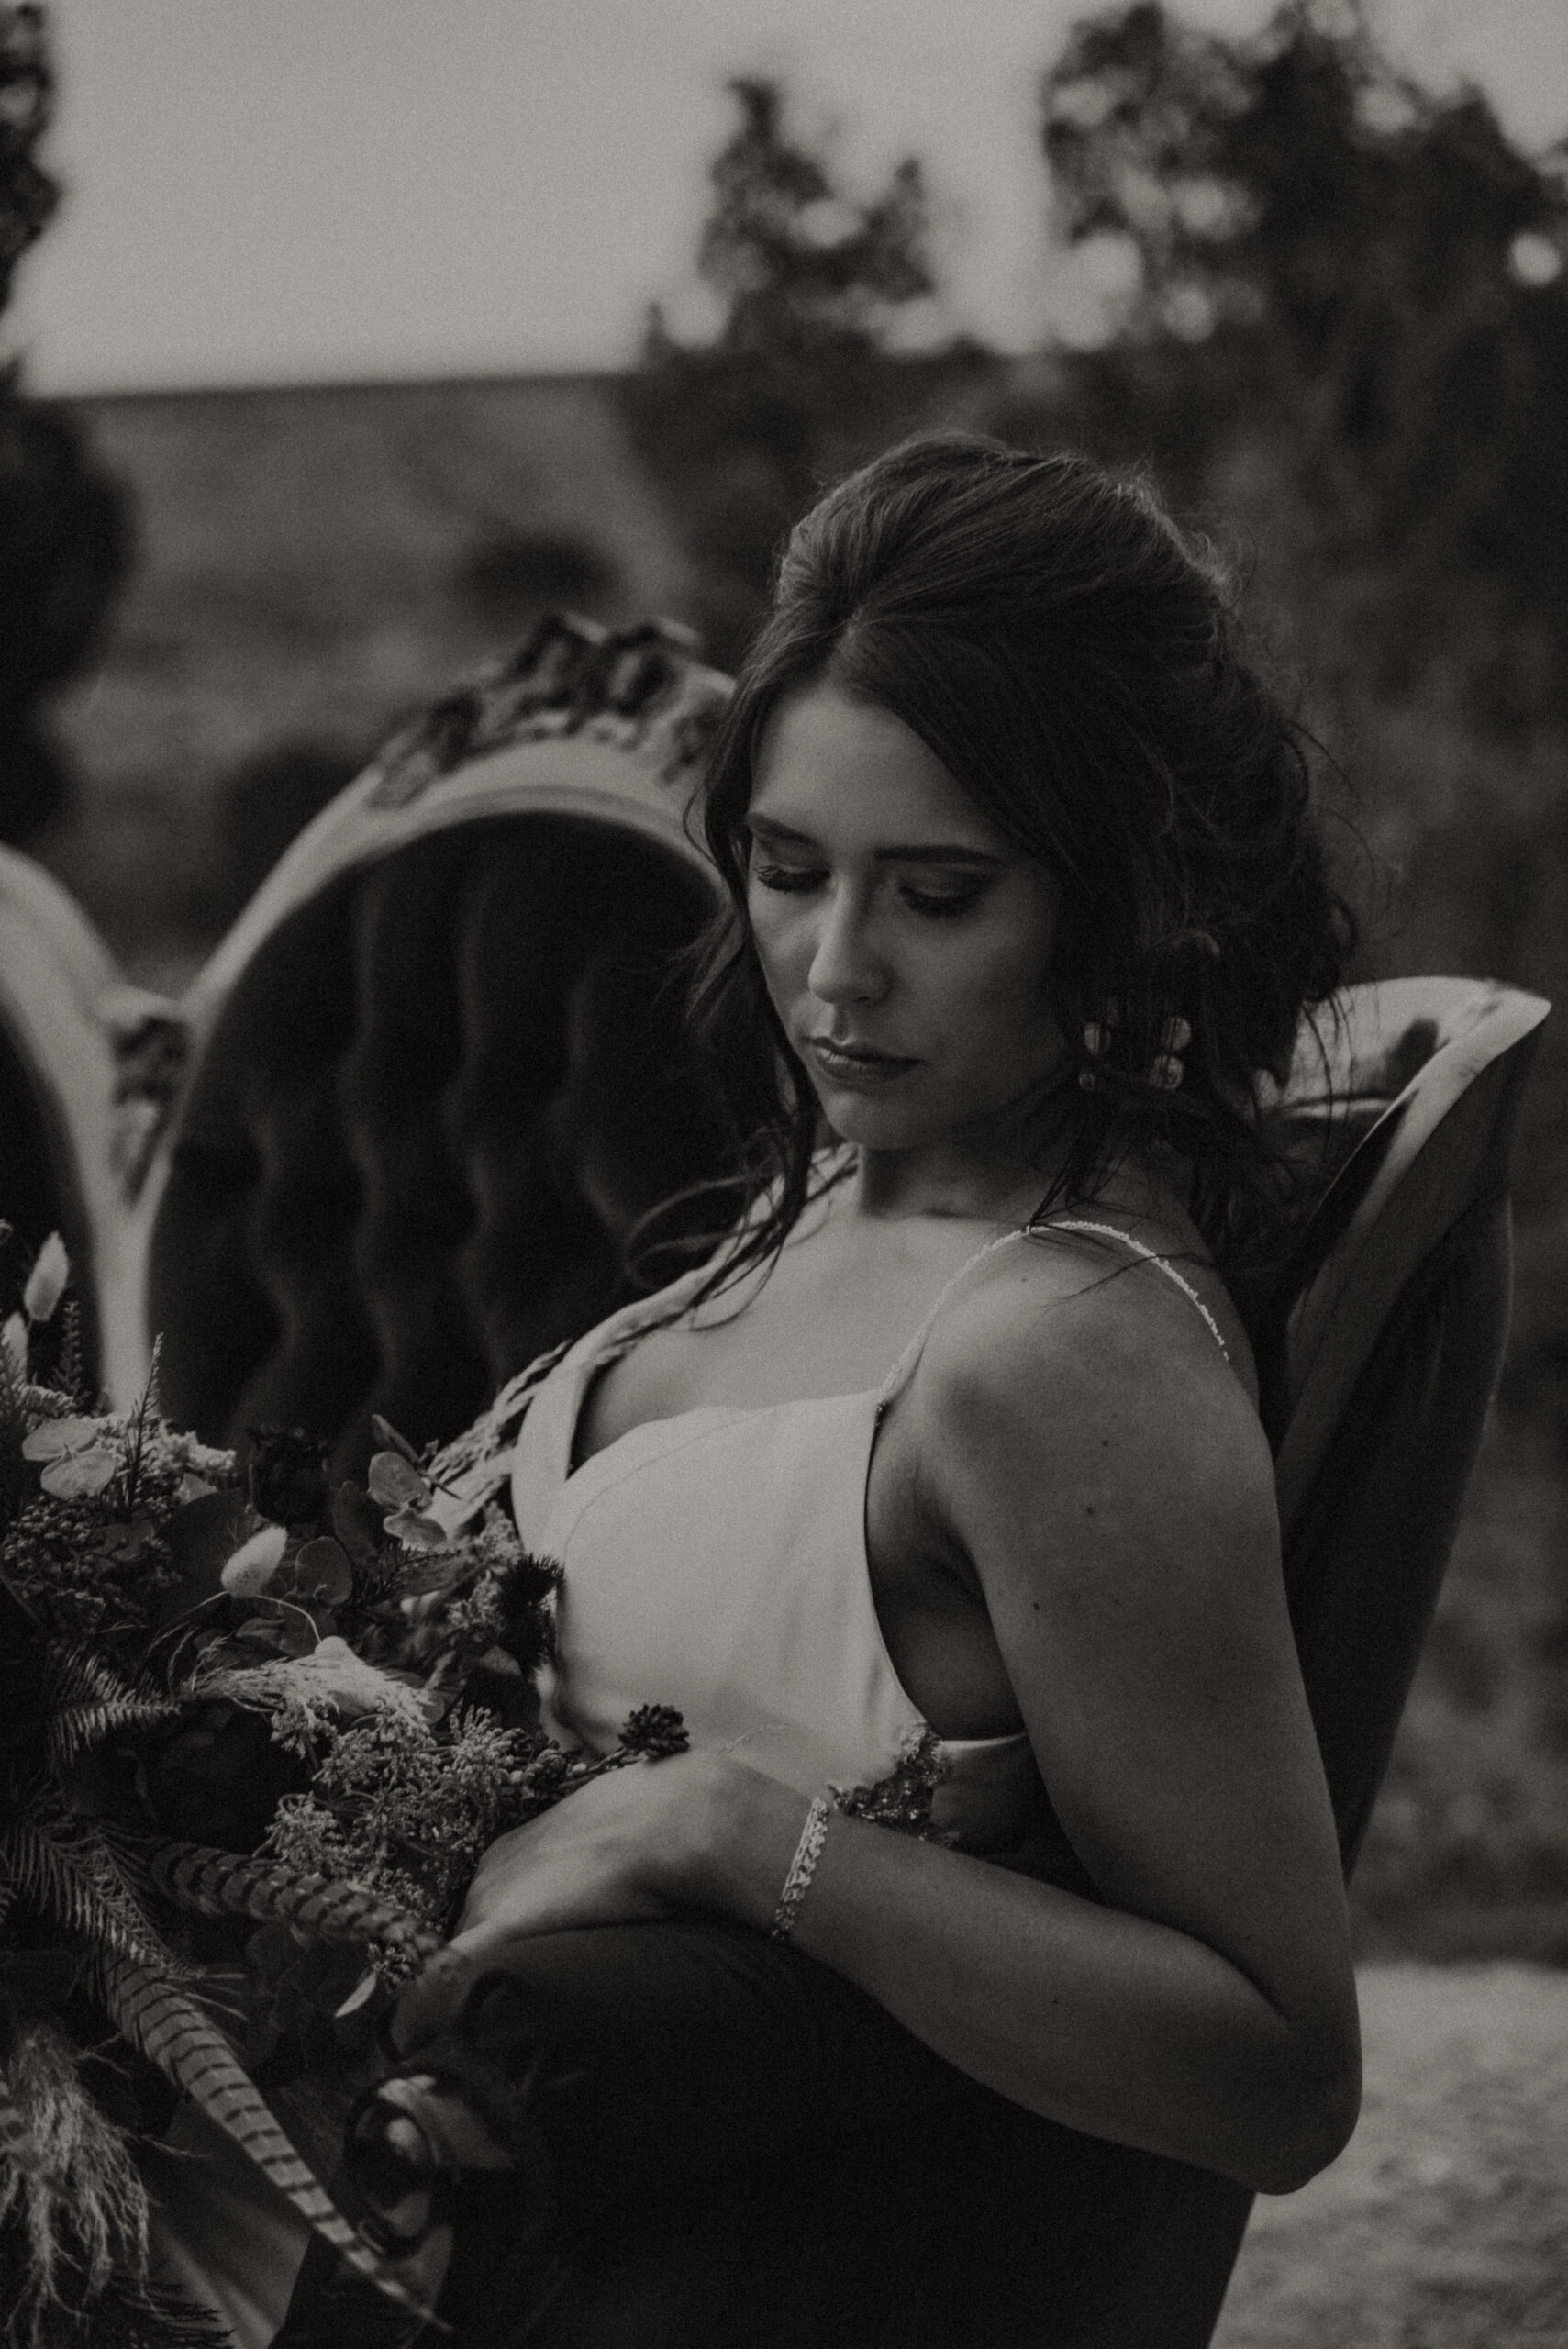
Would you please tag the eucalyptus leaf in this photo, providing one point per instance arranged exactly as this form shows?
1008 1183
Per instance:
323 1569
419 1532
396 1484
356 1521
79 1474
53 1437
387 1436
361 1994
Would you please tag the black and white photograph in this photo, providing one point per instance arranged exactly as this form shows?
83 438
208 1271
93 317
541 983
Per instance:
783 1305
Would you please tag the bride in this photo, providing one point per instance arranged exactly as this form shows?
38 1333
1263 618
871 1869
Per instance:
944 1475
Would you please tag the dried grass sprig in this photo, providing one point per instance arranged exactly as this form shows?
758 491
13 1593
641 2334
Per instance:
71 2201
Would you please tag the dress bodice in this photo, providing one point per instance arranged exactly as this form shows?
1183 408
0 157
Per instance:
716 1561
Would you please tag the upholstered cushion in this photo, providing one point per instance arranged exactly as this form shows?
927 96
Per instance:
437 1100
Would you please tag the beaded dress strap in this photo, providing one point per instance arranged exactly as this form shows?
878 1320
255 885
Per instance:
899 1375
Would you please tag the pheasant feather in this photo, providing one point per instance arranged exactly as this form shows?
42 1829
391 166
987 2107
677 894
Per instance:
171 2031
226 1884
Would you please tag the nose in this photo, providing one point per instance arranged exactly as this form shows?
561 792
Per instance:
845 966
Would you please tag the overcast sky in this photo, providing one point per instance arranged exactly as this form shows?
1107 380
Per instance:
295 191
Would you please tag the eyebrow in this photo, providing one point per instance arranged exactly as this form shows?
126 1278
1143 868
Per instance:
767 828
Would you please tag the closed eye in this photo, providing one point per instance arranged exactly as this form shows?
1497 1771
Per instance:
942 904
937 904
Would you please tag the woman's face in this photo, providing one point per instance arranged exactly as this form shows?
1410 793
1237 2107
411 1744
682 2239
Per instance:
905 942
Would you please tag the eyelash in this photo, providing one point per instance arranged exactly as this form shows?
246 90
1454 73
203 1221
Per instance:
796 879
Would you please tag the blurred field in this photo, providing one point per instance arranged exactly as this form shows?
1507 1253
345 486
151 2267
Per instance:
313 563
1467 1854
311 566
1441 2226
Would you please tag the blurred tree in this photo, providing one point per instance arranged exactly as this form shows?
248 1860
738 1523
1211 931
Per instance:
1346 332
64 535
1378 274
799 382
261 807
64 546
28 196
510 575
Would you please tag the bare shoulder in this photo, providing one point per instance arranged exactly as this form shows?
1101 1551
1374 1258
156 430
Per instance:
1080 1380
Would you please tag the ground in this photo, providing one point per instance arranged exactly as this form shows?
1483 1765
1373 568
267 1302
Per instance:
1444 2224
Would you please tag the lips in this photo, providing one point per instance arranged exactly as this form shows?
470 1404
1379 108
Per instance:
857 1065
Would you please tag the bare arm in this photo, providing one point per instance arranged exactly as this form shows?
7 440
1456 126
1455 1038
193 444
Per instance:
1116 1503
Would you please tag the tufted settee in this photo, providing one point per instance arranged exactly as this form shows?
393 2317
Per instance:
388 1148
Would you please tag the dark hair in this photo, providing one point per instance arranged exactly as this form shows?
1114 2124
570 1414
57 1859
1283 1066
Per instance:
1072 660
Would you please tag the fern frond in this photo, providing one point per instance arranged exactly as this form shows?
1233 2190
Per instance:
43 1402
72 1875
226 1884
70 1374
85 1702
173 2034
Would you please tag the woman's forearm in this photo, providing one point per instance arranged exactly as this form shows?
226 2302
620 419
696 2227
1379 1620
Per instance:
1099 2019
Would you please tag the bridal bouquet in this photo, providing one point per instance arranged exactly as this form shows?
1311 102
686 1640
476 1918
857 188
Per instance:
255 1734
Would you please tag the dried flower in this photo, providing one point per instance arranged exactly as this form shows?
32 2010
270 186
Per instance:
333 1710
47 1281
287 1477
654 1731
255 1563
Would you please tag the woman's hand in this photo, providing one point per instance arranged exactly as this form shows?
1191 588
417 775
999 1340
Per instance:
621 1848
690 1831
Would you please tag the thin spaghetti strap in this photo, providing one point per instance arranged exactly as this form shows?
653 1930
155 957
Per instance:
898 1376
1110 1231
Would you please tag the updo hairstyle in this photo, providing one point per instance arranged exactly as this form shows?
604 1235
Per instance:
1073 660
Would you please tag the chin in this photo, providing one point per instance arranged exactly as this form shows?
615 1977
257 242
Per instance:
872 1124
986 1123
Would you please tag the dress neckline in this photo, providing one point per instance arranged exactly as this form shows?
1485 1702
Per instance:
546 1482
613 1343
600 1348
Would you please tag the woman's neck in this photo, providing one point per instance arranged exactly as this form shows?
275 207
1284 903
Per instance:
1006 1189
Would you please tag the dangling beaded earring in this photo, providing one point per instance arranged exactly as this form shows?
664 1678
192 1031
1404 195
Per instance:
1168 1067
1096 1039
1166 1070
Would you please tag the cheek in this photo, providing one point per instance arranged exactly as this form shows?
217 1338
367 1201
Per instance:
775 939
1001 1001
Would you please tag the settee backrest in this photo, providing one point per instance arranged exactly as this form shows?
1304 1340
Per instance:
389 1145
1386 1339
434 1105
